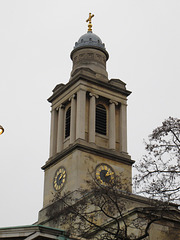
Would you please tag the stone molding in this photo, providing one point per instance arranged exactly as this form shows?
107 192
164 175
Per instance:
90 148
112 101
73 96
90 57
88 79
93 95
60 107
32 232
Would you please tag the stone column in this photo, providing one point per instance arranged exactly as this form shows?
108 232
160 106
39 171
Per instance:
123 128
53 133
73 119
92 117
60 132
80 114
112 125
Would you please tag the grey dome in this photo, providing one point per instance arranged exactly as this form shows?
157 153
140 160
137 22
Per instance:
90 40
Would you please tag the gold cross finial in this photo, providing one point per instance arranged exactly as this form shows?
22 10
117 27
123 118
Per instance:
90 24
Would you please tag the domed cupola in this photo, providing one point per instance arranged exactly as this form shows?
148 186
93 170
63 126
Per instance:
90 55
90 40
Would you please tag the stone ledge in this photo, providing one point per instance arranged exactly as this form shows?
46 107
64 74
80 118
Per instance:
32 231
82 145
79 76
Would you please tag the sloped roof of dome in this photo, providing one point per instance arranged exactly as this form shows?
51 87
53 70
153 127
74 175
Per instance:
90 40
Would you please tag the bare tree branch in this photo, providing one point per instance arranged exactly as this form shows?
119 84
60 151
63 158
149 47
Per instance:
159 170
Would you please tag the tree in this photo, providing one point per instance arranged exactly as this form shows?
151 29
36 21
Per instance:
159 169
104 211
108 210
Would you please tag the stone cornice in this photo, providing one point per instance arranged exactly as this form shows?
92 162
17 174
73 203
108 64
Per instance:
62 88
90 148
29 230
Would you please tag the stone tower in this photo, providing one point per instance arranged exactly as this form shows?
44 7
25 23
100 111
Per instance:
88 124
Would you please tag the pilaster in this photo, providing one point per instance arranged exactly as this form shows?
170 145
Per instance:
123 128
112 125
92 117
60 131
80 114
73 119
53 133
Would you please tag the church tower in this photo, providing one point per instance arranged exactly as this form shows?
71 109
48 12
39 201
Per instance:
88 124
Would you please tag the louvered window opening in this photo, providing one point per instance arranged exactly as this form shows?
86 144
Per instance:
101 119
68 120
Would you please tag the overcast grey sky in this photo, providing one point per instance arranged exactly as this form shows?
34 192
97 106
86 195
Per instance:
36 38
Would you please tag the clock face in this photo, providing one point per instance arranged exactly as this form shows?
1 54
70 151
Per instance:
104 174
59 179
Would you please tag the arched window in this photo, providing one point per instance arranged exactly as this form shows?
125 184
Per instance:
67 122
101 119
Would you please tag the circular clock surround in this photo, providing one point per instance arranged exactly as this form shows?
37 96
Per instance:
59 179
104 173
